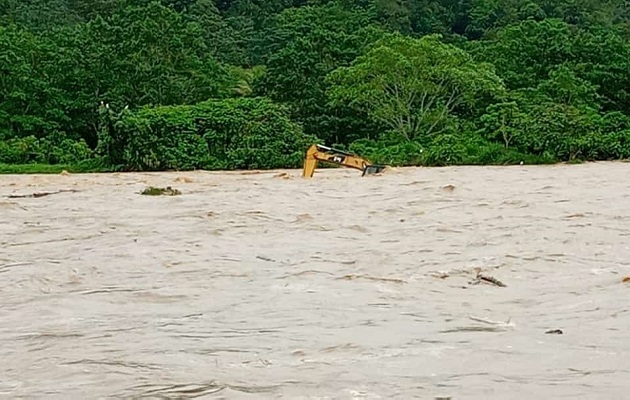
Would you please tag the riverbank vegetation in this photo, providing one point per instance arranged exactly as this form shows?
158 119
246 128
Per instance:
115 85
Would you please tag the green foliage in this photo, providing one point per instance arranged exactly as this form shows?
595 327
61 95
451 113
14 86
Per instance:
85 166
414 86
227 134
527 53
38 15
564 87
250 83
563 131
30 104
157 191
443 150
224 42
163 60
299 47
394 154
50 150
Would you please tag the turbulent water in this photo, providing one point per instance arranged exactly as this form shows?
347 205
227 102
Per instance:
266 285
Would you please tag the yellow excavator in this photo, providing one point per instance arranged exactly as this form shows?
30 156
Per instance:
318 152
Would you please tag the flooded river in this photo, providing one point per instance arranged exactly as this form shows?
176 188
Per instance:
265 285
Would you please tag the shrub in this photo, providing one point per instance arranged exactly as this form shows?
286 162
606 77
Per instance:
240 133
53 150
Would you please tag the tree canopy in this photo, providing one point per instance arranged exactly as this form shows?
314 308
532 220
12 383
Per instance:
413 86
133 84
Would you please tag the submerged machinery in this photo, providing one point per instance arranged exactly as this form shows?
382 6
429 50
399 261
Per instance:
317 153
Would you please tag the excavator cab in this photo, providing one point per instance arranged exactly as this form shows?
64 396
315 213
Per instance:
318 152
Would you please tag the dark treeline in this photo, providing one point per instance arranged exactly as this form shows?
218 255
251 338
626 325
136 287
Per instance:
221 84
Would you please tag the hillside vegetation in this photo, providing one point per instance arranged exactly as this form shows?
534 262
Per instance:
220 84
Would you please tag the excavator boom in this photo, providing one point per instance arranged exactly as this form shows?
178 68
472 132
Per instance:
318 152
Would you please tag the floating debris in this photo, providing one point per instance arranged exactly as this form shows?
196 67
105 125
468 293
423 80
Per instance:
155 191
350 277
283 175
576 215
507 324
183 179
554 332
480 278
440 275
490 326
41 194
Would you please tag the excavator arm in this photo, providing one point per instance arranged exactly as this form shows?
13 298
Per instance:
318 152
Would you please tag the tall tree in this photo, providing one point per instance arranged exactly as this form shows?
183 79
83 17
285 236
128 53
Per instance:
299 49
139 56
526 53
414 85
30 101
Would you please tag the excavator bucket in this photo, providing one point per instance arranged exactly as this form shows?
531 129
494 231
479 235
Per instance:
373 169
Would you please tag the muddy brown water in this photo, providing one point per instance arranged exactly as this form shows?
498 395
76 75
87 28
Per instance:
265 285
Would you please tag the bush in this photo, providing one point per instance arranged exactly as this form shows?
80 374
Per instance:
242 133
443 150
609 146
446 150
52 150
557 131
400 154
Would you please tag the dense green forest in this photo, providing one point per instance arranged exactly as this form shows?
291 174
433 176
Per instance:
231 84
